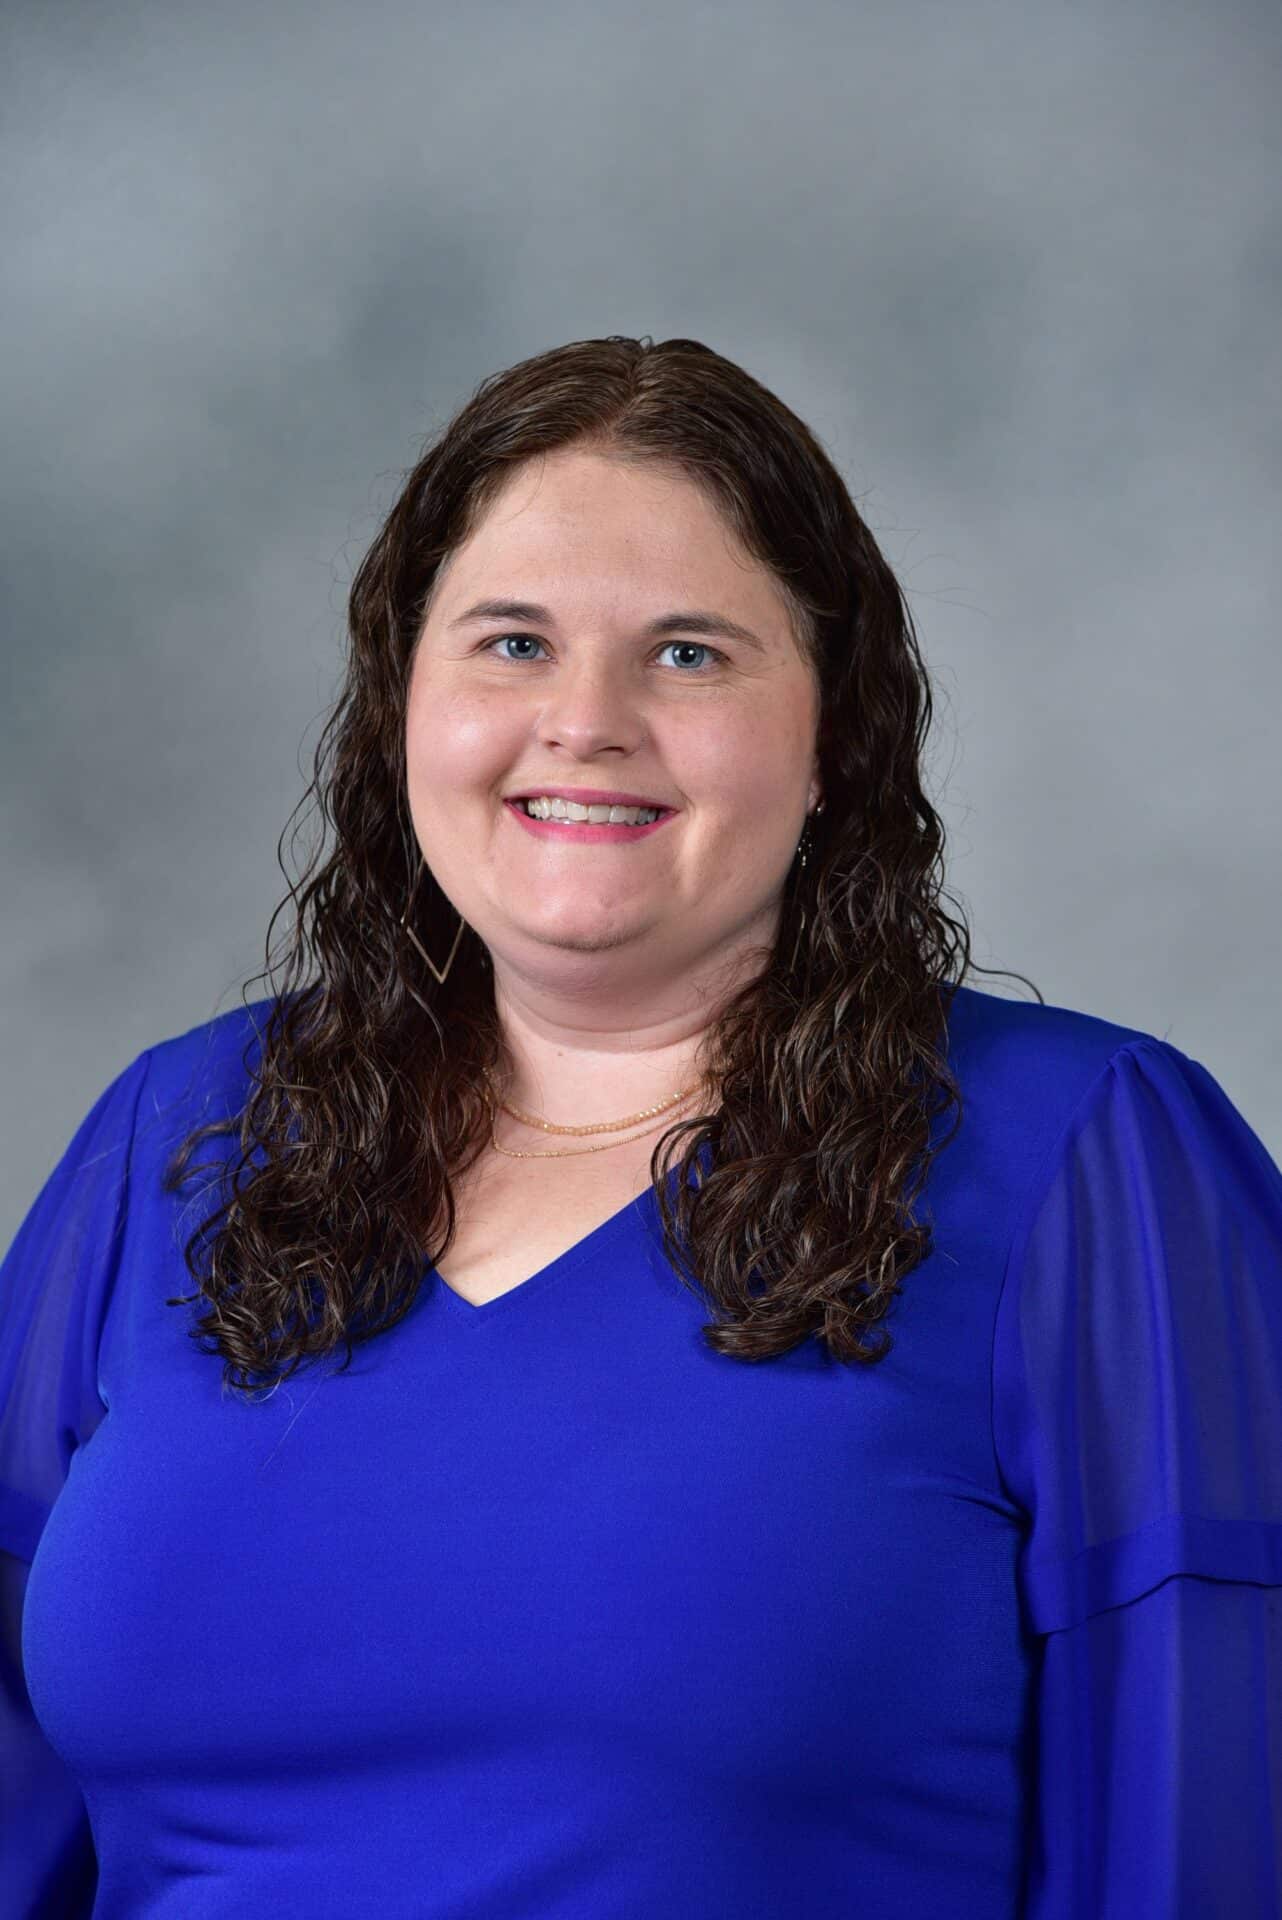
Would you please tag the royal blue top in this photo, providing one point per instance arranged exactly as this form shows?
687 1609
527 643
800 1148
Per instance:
544 1608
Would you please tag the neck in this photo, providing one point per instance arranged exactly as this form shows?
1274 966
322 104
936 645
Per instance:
600 1034
575 1072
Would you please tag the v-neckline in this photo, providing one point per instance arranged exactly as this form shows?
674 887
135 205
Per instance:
586 1247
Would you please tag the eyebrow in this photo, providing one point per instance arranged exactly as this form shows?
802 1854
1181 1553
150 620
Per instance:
683 620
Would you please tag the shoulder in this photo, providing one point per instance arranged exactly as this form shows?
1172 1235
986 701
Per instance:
201 1074
1137 1342
1026 1068
1030 1054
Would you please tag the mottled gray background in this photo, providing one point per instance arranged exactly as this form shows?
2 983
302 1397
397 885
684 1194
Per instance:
1017 265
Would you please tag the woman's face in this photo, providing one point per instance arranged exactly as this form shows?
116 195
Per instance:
720 728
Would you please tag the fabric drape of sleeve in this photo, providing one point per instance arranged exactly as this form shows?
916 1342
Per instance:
55 1288
1137 1409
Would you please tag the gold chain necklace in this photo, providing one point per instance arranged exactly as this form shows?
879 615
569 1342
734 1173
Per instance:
605 1126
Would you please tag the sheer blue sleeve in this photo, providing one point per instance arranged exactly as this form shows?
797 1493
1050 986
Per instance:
1137 1415
55 1286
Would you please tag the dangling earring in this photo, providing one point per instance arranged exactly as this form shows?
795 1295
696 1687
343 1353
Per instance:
803 848
414 937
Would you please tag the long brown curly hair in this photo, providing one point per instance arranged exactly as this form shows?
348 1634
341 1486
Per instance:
791 1209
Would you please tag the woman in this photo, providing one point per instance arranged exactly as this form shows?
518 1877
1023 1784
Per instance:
962 1598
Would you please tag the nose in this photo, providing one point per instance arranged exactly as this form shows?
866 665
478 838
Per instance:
591 710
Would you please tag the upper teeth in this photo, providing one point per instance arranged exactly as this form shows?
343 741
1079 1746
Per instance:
544 808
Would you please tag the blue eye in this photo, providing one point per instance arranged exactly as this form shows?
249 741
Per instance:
698 646
491 644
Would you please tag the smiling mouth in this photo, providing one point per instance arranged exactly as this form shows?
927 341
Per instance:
534 810
550 825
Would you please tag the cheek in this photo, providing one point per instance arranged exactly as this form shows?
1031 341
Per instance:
749 781
452 740
753 745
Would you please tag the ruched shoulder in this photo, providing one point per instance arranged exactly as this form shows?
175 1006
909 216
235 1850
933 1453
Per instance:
1137 1404
1137 1359
56 1283
55 1286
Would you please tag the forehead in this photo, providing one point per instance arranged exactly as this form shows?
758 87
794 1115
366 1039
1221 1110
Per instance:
568 479
571 526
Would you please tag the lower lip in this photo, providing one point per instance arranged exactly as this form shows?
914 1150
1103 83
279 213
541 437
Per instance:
555 830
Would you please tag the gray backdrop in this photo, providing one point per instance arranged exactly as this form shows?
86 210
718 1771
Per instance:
1018 267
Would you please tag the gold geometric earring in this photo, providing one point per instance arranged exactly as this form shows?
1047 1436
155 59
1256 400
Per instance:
414 937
